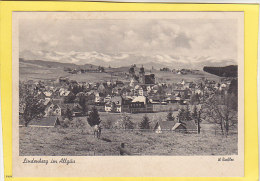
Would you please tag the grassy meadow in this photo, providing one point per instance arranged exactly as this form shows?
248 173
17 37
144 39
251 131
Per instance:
29 71
81 142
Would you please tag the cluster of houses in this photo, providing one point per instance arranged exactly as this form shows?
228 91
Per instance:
139 94
92 69
180 71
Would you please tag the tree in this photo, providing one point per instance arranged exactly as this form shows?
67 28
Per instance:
187 114
170 116
68 114
195 98
184 114
94 118
33 107
70 98
218 109
145 123
196 115
76 89
181 115
127 123
233 90
82 103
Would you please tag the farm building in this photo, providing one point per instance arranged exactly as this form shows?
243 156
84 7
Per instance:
185 126
50 121
164 126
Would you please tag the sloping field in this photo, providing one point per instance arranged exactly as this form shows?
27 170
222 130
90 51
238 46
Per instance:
81 142
29 71
35 72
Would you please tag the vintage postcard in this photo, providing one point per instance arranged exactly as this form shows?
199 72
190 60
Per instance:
128 94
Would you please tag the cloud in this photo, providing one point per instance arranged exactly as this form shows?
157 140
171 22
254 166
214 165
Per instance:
214 38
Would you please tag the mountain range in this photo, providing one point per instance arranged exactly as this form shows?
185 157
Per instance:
125 59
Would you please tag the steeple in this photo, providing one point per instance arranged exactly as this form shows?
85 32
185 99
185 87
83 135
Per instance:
142 71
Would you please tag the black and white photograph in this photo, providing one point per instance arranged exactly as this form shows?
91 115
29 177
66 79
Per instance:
130 85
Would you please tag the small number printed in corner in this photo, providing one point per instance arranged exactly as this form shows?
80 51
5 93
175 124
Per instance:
225 159
8 176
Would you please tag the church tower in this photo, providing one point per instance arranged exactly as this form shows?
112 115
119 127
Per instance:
142 75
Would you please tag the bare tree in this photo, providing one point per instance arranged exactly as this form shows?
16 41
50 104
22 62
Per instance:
219 109
29 100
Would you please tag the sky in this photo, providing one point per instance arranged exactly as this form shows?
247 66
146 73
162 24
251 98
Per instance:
175 37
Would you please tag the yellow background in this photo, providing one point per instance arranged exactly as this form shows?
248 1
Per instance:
251 42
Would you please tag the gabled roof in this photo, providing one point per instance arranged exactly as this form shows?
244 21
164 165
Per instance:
47 94
47 101
50 121
56 106
117 100
140 99
176 126
65 93
80 94
166 125
189 125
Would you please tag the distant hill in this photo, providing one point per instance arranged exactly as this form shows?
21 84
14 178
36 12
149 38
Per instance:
116 60
227 71
52 64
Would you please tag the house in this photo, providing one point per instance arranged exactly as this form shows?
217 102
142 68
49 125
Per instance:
116 90
74 82
56 110
107 98
101 88
46 101
114 105
109 106
41 95
149 88
51 121
52 109
63 80
47 94
140 104
98 98
140 91
133 82
65 93
119 83
77 110
90 97
143 99
48 109
186 126
162 126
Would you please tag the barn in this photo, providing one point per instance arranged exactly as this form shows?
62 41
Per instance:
162 126
51 121
186 126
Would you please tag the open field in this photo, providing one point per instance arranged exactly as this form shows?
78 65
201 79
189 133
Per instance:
29 71
80 142
136 118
